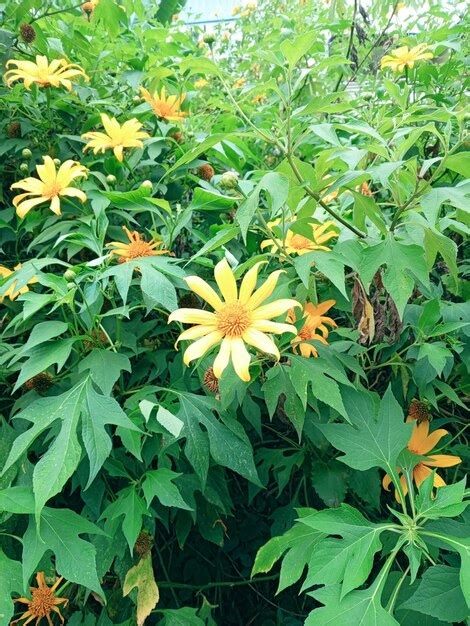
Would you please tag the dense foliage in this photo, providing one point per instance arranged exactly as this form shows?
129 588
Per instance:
234 329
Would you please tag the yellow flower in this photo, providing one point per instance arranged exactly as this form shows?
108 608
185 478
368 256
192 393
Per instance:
314 319
50 186
421 443
43 602
57 73
294 243
136 248
239 83
236 10
13 292
117 136
403 57
239 318
89 7
259 98
330 196
201 83
167 108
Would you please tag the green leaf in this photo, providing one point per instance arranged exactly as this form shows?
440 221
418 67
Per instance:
224 235
460 163
328 263
60 532
105 367
42 332
276 186
157 289
210 200
439 595
130 505
294 50
159 484
43 356
348 560
142 577
359 607
376 435
436 353
330 482
432 201
10 582
278 383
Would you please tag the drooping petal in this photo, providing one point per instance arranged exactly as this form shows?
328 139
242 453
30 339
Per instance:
222 358
442 460
386 482
24 207
201 346
193 316
55 205
261 342
420 473
204 291
240 359
226 281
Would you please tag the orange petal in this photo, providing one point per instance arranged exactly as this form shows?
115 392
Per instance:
442 460
420 473
418 437
386 482
431 441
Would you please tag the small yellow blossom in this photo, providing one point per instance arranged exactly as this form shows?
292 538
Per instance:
13 292
236 10
201 83
259 98
239 83
167 108
403 57
117 136
421 443
314 319
50 186
239 318
293 243
57 73
136 248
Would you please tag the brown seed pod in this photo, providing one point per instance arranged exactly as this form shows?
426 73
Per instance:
14 130
419 411
41 382
211 382
206 171
27 32
143 544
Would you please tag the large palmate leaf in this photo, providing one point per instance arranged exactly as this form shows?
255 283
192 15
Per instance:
10 582
377 432
131 505
348 560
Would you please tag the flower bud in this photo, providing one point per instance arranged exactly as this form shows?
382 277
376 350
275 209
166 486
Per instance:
229 180
26 153
147 184
57 162
209 38
24 167
69 274
111 179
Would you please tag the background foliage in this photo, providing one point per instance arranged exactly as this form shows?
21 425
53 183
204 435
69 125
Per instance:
259 503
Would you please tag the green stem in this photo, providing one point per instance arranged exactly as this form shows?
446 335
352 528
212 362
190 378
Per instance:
393 597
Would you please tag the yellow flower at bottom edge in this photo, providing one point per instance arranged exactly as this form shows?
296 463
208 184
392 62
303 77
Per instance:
43 602
12 292
117 136
403 57
50 186
298 244
57 73
421 443
136 248
314 319
165 107
239 318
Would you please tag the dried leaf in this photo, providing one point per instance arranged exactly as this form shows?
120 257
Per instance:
142 577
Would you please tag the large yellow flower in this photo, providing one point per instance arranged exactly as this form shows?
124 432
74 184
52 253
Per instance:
43 602
403 57
239 317
117 136
13 292
50 186
294 243
421 443
57 73
165 107
136 248
314 319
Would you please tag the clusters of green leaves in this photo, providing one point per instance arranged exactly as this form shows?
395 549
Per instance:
120 470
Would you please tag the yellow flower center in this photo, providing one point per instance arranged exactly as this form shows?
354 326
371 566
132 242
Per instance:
233 319
299 242
52 190
43 600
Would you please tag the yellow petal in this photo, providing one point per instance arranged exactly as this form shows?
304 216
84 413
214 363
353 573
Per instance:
201 346
276 328
261 342
204 291
193 316
249 282
226 281
240 359
273 309
265 290
195 332
222 359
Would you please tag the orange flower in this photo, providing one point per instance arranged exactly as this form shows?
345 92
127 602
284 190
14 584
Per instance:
42 603
421 443
314 319
136 248
167 108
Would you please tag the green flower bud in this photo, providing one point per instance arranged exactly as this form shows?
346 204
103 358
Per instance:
229 180
111 179
26 153
147 184
24 167
209 38
57 162
69 274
